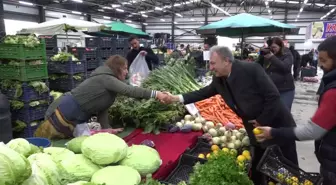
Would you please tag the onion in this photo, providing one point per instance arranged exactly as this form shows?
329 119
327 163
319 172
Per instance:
209 124
219 125
223 145
223 139
227 133
197 126
230 126
239 135
203 120
242 130
222 130
205 129
213 132
182 121
233 138
231 145
216 140
179 124
238 144
246 141
188 117
198 120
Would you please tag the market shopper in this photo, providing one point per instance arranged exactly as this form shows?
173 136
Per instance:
250 93
95 95
297 62
277 63
151 58
322 126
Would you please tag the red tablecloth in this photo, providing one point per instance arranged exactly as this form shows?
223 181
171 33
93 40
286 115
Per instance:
169 145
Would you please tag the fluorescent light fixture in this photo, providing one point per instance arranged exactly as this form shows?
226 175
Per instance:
178 15
298 16
305 2
319 4
269 11
295 20
78 1
177 4
143 15
293 2
271 17
115 5
266 3
192 19
106 17
202 22
101 10
133 13
75 12
145 24
158 8
175 22
128 21
119 10
326 15
125 3
107 7
162 20
26 3
301 9
220 9
242 3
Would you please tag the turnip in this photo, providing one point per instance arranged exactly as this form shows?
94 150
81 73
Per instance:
238 144
179 124
223 139
216 140
233 138
246 141
188 123
223 145
218 125
239 135
209 124
213 132
230 126
182 121
231 145
205 129
203 120
222 130
197 126
227 133
188 117
198 120
242 130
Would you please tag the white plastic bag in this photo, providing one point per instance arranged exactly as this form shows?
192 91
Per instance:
82 130
138 70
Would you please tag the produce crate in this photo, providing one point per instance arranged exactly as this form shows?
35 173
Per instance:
92 64
28 114
30 129
106 53
78 52
50 40
92 42
201 147
51 52
89 73
276 166
65 84
70 67
19 51
308 72
91 53
106 42
28 93
183 169
24 72
121 51
121 42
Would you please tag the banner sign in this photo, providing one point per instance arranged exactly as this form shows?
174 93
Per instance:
321 30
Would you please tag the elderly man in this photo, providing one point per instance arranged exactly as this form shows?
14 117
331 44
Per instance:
249 92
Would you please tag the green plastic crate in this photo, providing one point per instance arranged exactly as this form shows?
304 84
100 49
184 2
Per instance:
25 72
19 51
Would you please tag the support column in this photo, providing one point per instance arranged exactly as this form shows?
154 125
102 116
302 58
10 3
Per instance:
285 20
41 14
143 28
173 29
88 17
206 14
2 21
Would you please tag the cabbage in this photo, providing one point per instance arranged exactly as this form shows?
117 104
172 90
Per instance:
75 144
34 149
58 154
116 175
37 178
47 170
142 158
82 183
20 145
14 167
104 148
79 167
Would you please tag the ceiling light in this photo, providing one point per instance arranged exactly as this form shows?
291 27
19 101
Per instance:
119 10
220 9
305 2
158 8
81 18
192 19
107 7
326 15
143 15
128 21
78 1
75 12
101 10
298 16
145 24
106 17
177 4
271 17
115 5
178 15
269 11
295 20
202 22
175 22
301 9
125 3
26 3
162 20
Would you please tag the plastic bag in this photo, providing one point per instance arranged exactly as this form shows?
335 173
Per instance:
82 130
138 70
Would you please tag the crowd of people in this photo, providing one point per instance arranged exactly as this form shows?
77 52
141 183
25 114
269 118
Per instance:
261 93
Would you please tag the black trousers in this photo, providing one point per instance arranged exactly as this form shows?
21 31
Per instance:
289 151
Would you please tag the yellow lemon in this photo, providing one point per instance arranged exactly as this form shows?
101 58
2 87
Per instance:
241 158
208 156
246 153
257 131
215 152
233 152
214 147
226 150
201 156
271 183
248 157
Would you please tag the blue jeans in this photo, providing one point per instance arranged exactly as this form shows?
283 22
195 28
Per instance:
287 98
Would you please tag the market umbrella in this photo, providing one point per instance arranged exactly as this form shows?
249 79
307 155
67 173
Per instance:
124 29
245 24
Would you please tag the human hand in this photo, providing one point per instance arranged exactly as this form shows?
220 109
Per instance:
143 53
265 134
166 97
269 55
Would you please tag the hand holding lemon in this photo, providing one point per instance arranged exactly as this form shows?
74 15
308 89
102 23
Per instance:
262 133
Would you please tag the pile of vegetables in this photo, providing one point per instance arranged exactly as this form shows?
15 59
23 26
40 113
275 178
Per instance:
28 41
77 77
96 162
216 110
63 57
21 63
55 94
16 86
151 114
189 123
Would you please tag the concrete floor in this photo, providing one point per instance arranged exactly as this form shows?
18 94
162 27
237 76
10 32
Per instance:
304 107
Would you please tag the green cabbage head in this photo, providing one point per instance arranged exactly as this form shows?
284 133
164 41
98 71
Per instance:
116 175
75 144
142 158
104 148
82 183
14 167
58 154
21 146
79 167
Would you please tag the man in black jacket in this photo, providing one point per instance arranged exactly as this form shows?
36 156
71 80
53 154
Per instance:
151 58
249 92
296 62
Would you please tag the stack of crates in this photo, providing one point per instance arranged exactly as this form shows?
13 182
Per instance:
51 45
92 60
66 75
21 65
122 46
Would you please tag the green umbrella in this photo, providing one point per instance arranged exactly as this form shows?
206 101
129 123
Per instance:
122 28
246 25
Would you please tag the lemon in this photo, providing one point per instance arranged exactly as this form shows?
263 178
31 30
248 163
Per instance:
226 150
295 179
241 158
215 152
241 164
271 183
257 131
201 156
208 156
214 147
233 152
246 153
248 157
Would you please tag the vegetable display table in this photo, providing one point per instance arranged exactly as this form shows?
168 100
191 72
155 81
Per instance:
169 145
